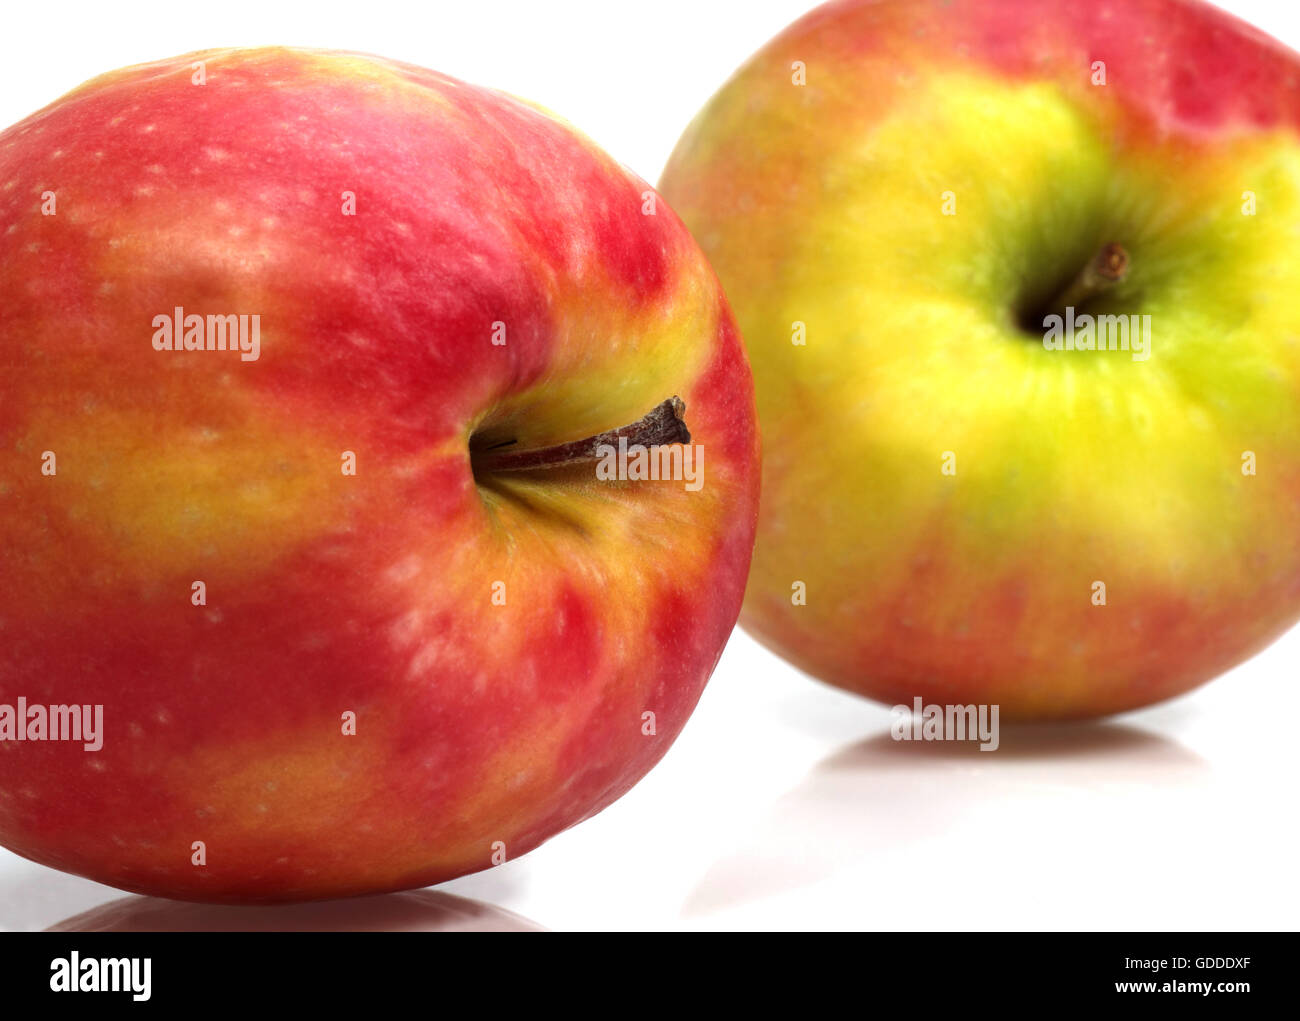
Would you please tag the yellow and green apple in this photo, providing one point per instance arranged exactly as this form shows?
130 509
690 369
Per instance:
360 609
908 203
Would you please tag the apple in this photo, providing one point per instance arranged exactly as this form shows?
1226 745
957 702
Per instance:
909 205
305 358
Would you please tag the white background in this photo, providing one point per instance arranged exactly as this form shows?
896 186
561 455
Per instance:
784 804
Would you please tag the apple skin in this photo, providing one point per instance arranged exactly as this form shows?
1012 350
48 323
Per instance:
823 203
480 728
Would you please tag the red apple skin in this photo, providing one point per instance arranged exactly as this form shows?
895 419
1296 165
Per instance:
481 729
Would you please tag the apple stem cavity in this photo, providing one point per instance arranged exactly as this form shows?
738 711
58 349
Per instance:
1103 271
664 425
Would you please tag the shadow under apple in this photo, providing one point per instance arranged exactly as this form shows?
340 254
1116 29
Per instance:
874 798
408 911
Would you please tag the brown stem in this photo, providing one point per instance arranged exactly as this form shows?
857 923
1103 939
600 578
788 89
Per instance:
662 426
1106 269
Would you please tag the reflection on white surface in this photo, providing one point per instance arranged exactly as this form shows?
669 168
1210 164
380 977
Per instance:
411 911
878 797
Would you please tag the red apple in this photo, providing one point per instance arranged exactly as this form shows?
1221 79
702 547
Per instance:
434 268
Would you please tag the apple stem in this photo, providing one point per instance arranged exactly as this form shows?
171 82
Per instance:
663 426
1106 269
